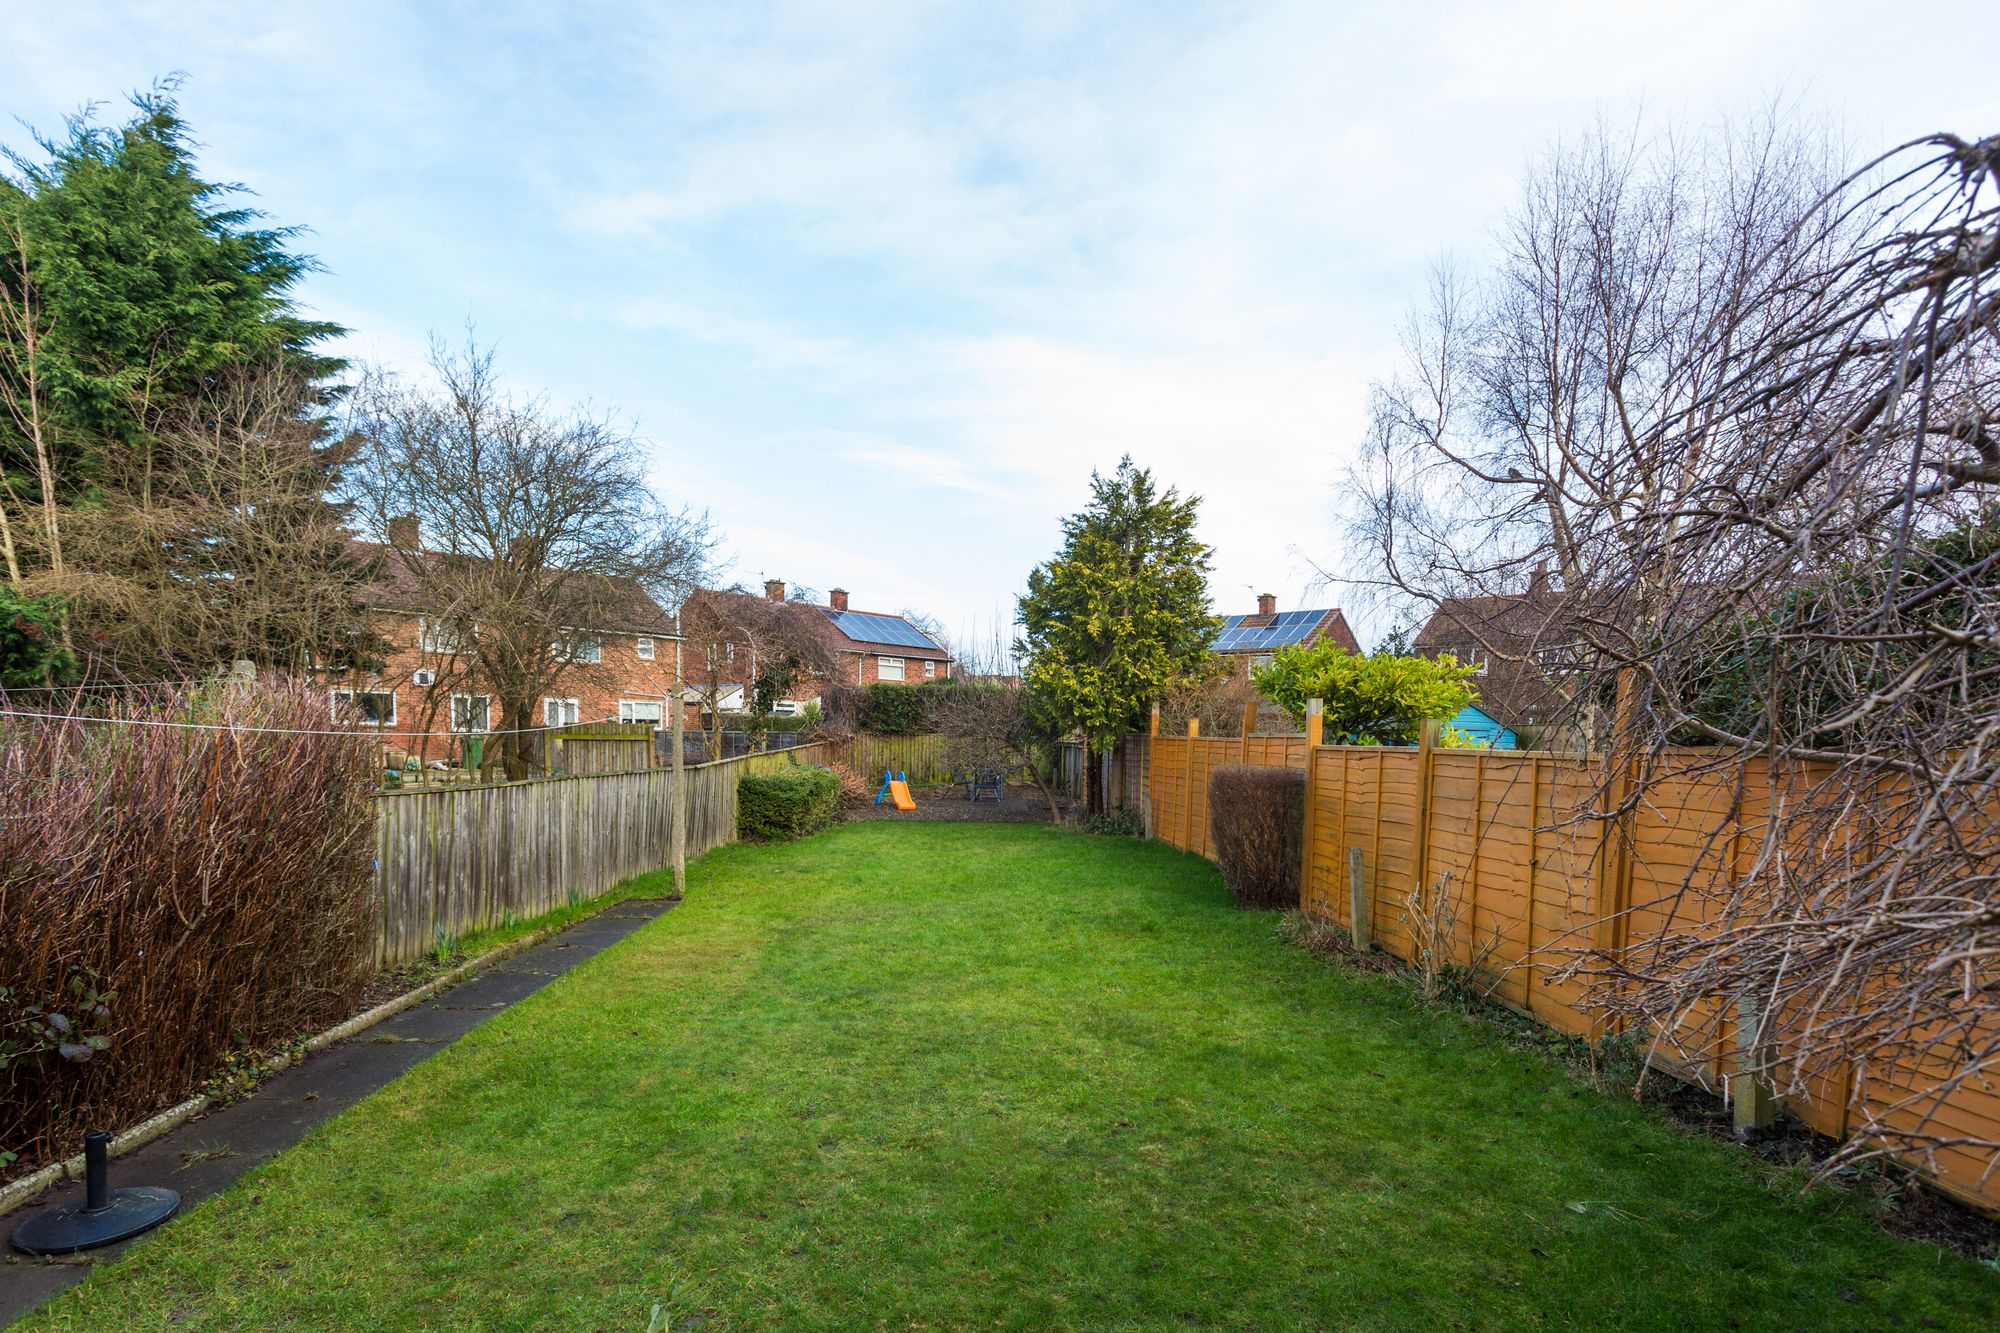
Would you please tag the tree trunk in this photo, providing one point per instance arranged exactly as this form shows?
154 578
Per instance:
517 716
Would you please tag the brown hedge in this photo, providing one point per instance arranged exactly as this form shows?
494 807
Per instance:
169 894
1257 820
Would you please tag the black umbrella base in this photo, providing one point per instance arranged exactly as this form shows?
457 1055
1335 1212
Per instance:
75 1226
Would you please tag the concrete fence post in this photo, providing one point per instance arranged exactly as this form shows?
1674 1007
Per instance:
1750 1098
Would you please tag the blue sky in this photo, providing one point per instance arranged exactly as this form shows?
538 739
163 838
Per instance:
880 283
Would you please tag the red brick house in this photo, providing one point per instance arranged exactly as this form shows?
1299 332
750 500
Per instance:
420 696
1248 641
870 646
882 647
1520 646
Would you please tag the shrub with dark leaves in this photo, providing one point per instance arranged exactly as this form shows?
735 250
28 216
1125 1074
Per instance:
1257 817
784 806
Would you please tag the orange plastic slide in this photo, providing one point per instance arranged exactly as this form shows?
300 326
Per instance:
899 792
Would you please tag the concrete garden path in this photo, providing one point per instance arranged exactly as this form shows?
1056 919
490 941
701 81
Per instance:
208 1154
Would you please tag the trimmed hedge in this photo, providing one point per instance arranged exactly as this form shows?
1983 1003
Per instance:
785 806
1256 816
895 710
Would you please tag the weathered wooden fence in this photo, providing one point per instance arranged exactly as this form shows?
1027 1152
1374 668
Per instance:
601 747
1529 884
920 756
451 860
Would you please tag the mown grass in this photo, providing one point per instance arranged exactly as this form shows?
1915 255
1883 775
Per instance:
936 1076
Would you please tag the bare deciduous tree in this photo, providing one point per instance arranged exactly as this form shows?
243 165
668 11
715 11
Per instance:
1746 410
538 527
998 729
734 638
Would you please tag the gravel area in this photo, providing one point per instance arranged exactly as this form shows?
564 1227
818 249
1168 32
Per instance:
947 805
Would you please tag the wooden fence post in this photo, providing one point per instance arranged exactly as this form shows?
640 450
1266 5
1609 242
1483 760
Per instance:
1249 725
1357 899
1147 785
1315 722
1427 739
679 813
1187 781
1614 890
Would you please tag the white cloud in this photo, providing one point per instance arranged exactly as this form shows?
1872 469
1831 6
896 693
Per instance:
883 283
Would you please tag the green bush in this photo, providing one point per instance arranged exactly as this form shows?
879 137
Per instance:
895 710
797 722
785 806
1119 823
1368 700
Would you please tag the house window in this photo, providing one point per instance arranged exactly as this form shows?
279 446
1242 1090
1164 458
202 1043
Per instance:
888 668
471 713
641 710
586 649
436 634
1474 656
930 670
561 712
1560 656
1259 660
377 708
645 648
729 652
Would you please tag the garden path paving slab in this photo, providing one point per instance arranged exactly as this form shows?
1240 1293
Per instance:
210 1153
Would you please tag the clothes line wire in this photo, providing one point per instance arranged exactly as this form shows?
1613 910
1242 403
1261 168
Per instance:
362 730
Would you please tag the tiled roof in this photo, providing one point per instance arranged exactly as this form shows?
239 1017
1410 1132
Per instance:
397 585
1506 630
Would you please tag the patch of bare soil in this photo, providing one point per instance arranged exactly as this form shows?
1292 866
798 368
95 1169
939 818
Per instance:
947 805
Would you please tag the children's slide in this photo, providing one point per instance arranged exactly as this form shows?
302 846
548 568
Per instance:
895 787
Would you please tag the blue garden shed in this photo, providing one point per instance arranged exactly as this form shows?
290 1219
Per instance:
1481 726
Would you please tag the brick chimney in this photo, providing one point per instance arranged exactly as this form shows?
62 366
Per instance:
837 598
1538 582
1267 604
404 532
774 589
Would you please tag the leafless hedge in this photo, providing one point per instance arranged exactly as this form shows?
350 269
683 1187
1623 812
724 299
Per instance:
169 894
1257 816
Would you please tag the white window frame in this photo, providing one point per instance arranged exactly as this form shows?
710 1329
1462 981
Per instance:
882 668
643 646
628 708
570 708
1475 657
480 730
930 669
336 696
436 635
589 650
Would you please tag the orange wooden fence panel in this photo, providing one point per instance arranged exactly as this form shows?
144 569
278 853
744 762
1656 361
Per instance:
1533 879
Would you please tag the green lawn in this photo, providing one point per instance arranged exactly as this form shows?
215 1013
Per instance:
936 1076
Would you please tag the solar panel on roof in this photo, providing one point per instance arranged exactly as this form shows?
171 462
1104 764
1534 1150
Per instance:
881 629
1289 627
